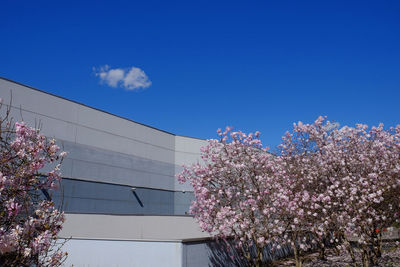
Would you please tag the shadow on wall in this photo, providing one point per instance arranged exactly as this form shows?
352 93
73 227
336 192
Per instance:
223 253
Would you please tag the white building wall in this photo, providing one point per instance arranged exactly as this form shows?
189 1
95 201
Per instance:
112 253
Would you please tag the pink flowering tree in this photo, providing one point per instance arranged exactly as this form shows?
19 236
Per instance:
324 186
235 188
311 202
348 184
29 222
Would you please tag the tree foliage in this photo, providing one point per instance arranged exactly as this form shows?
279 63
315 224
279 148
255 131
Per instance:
29 221
323 186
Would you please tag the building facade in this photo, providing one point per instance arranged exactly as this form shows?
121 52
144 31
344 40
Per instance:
123 205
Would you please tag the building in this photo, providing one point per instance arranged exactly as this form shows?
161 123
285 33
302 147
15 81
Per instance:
123 205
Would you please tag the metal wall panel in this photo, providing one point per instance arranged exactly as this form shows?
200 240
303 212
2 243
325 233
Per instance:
130 227
97 164
78 196
70 121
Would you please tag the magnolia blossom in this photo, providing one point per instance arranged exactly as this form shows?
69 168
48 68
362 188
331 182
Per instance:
29 223
322 186
353 176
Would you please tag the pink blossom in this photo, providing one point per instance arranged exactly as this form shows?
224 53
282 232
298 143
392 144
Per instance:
30 228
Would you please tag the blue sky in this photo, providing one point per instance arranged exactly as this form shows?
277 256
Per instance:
256 65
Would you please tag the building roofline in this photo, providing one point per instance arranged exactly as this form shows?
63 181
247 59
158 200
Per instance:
97 109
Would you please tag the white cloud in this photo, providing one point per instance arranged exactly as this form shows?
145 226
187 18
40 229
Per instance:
136 78
130 78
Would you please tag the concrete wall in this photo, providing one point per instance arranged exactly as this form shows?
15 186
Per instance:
106 253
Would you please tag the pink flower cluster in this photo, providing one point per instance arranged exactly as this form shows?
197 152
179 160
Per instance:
323 186
29 223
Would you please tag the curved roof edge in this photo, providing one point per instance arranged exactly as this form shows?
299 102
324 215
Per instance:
97 109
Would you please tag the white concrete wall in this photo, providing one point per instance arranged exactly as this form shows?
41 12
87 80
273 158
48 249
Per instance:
113 253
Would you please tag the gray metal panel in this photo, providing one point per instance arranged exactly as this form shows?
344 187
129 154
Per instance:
113 227
85 126
79 196
187 152
123 144
195 254
182 202
124 128
50 127
111 174
106 148
96 164
38 102
74 122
